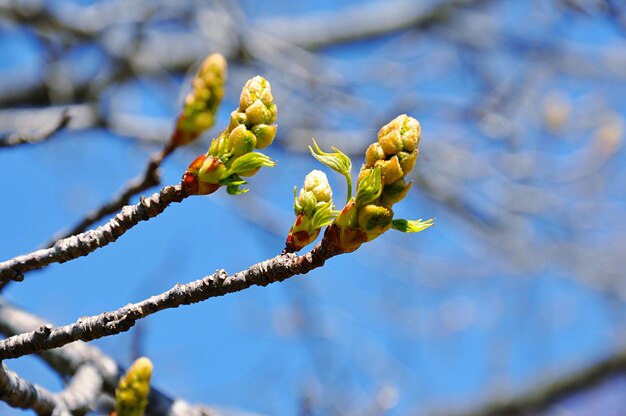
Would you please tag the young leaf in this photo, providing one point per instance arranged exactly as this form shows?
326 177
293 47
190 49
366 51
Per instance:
337 161
412 226
369 189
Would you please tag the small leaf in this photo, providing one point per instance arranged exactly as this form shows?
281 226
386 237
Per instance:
235 190
249 162
369 189
412 226
337 161
323 216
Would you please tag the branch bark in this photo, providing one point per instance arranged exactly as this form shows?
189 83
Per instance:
70 359
89 241
219 283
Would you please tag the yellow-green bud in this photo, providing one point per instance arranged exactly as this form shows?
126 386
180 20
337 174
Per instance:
242 141
317 183
202 101
237 118
391 170
391 143
256 88
407 161
264 134
375 220
373 153
401 133
131 395
395 192
411 135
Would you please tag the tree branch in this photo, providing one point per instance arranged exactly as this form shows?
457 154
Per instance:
547 395
18 392
149 179
89 241
219 283
69 359
14 139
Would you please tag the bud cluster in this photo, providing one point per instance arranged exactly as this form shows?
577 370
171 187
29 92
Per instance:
381 183
313 207
230 156
131 395
201 103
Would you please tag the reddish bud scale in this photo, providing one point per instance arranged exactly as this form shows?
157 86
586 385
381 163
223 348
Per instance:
343 239
190 182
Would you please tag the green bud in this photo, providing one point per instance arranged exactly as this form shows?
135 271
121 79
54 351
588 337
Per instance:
237 118
241 140
258 113
391 143
256 88
411 134
374 220
373 153
407 160
201 103
131 395
401 133
390 170
264 134
395 192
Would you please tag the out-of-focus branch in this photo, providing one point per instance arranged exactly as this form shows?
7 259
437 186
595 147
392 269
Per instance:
83 390
547 395
87 242
219 283
147 180
14 139
360 22
18 392
70 359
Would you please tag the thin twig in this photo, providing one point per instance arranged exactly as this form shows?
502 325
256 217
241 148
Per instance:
87 242
219 283
541 398
18 138
147 180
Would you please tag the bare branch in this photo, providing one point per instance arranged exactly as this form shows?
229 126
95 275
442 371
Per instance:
83 391
219 283
14 139
87 242
70 359
149 178
366 21
18 392
545 396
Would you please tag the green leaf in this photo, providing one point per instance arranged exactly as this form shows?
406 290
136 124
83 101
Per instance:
337 161
249 162
323 216
412 226
307 201
369 189
235 190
